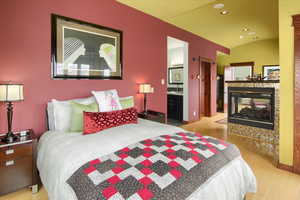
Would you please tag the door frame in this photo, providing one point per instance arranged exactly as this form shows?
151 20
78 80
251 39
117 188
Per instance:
185 75
201 87
296 155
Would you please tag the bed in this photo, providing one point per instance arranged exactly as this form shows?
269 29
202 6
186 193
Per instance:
61 153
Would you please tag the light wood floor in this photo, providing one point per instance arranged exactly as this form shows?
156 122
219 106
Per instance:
273 183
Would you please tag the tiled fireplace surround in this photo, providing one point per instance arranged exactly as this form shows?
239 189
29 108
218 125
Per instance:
263 140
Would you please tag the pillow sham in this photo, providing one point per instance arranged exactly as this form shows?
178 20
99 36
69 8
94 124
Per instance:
107 100
77 114
127 102
62 112
95 122
50 116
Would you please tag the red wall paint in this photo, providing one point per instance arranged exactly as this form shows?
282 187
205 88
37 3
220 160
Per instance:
25 55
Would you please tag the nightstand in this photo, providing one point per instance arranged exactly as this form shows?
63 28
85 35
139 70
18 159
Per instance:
153 116
18 164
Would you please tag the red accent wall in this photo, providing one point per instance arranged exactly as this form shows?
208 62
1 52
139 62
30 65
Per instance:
25 39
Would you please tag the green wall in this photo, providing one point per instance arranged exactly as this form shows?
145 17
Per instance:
287 8
264 52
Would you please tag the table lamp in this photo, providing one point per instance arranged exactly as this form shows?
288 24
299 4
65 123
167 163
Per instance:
145 88
10 93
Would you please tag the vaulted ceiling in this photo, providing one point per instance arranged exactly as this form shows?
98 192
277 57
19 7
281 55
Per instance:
260 17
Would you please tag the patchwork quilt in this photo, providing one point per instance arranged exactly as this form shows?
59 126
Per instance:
165 167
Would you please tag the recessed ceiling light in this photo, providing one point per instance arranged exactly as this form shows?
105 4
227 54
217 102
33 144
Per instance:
224 12
251 33
219 6
241 37
246 29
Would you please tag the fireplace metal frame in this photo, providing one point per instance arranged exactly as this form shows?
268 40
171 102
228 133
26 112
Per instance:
249 92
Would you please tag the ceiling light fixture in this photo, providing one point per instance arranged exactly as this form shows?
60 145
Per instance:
224 12
241 37
251 33
246 29
219 6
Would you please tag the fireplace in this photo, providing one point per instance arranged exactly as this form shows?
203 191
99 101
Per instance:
251 106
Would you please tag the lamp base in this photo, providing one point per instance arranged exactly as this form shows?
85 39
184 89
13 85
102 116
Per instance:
9 138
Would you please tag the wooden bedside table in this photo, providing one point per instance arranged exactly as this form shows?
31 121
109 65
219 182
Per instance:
18 164
153 116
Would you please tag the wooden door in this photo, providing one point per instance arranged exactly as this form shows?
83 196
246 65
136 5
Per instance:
205 88
202 89
207 92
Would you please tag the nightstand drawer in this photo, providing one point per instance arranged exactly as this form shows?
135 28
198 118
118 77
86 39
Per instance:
15 174
16 151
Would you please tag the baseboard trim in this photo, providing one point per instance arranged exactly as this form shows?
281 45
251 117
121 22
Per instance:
286 167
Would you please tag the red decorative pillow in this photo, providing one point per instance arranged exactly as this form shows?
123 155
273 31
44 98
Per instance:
97 121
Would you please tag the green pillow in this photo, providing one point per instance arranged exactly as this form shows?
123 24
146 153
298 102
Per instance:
127 102
77 114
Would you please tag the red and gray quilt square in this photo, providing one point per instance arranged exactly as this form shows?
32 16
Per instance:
161 168
105 166
129 186
142 171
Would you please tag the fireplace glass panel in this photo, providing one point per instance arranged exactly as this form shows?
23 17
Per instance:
252 106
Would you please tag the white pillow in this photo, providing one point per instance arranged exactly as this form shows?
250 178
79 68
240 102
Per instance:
107 100
59 113
127 98
50 116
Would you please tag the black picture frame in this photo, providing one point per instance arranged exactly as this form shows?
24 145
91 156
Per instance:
82 49
170 76
270 67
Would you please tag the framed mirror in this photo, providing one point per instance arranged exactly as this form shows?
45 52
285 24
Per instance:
239 71
175 75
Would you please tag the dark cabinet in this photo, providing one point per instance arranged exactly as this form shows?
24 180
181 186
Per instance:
175 107
153 116
18 164
220 93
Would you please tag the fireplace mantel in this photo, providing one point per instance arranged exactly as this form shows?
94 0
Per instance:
262 81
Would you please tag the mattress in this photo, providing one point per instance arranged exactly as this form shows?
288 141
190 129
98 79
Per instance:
60 154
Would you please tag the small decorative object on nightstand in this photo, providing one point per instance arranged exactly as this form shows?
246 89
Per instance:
145 89
153 116
18 164
10 93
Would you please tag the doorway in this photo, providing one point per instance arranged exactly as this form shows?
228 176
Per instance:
205 87
177 85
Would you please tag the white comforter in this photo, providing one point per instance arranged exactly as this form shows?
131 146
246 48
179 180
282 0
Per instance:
60 154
